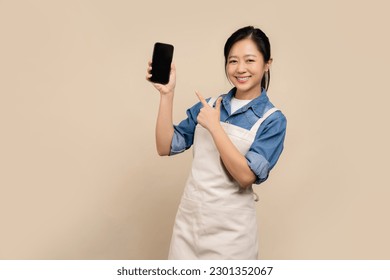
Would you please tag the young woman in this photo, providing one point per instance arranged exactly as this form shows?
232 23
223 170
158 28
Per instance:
237 139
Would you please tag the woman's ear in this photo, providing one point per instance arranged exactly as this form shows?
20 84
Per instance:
268 64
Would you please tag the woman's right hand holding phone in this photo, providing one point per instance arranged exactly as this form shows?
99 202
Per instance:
163 89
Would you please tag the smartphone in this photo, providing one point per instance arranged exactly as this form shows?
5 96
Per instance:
161 63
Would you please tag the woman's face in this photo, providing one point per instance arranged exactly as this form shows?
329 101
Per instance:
245 68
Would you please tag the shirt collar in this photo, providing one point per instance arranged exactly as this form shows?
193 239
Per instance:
257 104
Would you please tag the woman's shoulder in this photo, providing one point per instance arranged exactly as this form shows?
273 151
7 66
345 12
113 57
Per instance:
276 118
278 114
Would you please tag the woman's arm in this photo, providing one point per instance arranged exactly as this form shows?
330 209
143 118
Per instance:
164 124
234 161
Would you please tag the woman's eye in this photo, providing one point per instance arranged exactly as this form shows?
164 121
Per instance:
250 60
232 61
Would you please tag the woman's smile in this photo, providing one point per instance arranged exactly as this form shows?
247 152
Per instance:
242 79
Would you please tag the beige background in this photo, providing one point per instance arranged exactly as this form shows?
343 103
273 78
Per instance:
80 177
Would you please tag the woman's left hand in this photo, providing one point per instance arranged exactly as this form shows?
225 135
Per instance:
209 117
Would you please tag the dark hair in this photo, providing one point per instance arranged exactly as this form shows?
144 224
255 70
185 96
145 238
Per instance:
260 39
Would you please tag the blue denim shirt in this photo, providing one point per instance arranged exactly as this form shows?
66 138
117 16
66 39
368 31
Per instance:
268 144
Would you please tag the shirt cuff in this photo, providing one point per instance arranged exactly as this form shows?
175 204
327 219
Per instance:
259 165
178 144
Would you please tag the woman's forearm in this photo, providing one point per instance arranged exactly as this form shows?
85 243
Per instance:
164 124
233 160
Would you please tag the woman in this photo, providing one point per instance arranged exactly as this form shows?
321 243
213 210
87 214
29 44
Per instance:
236 140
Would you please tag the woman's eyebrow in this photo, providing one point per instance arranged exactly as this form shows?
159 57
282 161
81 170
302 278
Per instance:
234 56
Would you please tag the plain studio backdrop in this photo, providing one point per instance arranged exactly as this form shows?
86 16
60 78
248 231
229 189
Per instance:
80 176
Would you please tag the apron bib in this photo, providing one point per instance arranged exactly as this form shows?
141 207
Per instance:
216 219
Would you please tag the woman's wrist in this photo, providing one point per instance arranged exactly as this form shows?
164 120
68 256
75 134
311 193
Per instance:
215 129
167 95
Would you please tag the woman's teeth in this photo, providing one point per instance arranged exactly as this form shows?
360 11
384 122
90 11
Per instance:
243 79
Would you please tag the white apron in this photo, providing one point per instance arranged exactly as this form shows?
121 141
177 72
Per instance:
215 220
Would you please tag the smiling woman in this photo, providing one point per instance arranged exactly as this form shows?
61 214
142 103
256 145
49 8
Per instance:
253 47
245 69
237 138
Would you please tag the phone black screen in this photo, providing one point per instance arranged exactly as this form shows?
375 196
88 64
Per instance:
161 63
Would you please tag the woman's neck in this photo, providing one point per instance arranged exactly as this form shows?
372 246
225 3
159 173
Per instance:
247 95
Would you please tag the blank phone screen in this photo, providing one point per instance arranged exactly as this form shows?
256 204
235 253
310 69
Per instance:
161 63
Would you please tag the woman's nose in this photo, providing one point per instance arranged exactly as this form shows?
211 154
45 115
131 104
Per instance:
241 68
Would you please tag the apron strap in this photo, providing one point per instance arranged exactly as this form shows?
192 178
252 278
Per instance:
256 126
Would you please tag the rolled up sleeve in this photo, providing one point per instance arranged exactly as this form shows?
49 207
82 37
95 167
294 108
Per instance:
183 136
178 143
259 165
267 147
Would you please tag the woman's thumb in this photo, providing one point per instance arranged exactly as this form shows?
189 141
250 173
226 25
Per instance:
218 104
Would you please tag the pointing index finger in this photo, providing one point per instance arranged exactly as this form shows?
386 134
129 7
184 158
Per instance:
202 100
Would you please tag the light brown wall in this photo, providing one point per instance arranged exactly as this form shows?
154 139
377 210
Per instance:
80 178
